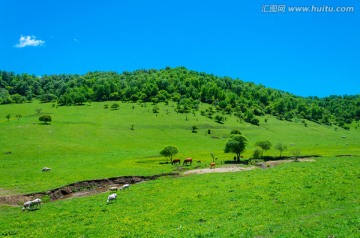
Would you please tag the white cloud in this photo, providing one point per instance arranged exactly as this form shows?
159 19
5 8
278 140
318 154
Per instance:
29 41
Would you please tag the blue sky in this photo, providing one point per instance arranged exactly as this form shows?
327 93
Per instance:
305 53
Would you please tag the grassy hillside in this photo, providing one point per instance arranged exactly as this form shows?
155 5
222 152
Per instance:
88 142
307 199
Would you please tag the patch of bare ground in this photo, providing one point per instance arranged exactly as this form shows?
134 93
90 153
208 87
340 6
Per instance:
238 168
234 168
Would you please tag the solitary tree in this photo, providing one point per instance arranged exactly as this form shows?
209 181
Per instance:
45 118
8 117
281 147
18 116
264 145
236 144
169 151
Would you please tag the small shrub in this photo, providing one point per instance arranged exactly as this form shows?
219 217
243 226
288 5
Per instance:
235 132
194 129
156 109
115 106
255 121
257 153
219 118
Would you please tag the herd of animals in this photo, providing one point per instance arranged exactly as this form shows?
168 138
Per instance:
189 161
186 161
36 203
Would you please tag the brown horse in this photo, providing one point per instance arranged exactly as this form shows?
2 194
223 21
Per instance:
175 161
212 165
188 160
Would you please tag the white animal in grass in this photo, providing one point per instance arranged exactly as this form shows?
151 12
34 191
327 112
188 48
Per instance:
111 198
46 169
125 186
26 205
36 202
29 205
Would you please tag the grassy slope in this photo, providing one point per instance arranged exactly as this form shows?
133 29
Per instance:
310 199
89 142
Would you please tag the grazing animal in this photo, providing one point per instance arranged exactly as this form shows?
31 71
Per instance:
175 161
113 189
212 165
29 205
46 169
111 198
36 202
26 205
188 160
125 186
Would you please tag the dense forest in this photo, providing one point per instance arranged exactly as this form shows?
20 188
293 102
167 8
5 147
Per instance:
187 88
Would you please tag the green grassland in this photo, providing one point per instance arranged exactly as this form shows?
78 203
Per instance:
89 142
313 199
307 199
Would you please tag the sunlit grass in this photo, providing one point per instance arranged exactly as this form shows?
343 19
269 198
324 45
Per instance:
306 199
89 142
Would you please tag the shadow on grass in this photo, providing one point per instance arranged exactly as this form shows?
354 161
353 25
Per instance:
267 158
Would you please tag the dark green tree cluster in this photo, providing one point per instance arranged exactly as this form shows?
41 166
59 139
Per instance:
186 88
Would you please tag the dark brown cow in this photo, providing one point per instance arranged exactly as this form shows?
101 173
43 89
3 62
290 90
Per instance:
175 161
212 165
188 160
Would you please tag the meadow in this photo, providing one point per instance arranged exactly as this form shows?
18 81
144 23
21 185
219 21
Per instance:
307 199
